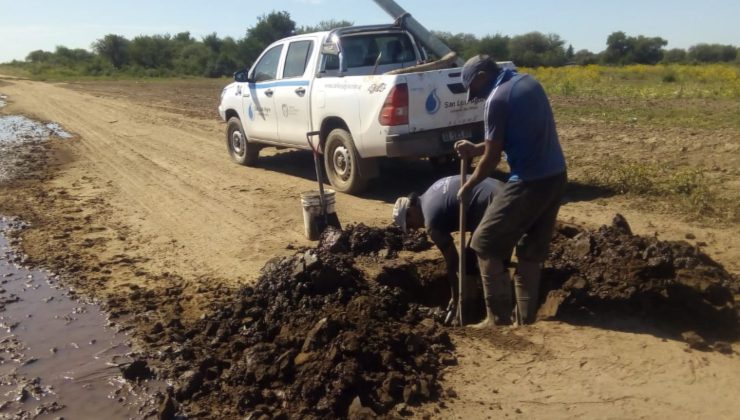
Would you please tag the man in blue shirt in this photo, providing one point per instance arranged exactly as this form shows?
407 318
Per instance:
437 210
518 122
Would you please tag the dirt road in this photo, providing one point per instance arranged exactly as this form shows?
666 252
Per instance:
144 197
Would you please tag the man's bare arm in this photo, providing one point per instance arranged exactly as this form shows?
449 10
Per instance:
486 166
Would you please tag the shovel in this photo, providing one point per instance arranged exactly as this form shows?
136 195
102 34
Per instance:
462 292
324 219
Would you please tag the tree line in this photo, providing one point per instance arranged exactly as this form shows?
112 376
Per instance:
211 56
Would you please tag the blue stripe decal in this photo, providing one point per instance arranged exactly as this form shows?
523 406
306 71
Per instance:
278 83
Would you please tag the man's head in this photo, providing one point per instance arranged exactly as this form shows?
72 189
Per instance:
478 75
407 213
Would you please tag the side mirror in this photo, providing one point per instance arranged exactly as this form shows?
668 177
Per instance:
241 76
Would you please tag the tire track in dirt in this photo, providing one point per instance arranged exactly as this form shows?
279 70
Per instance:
175 180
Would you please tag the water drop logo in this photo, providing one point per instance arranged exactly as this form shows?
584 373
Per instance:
250 112
432 104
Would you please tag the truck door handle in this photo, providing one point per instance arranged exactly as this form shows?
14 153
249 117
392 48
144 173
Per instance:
300 91
268 92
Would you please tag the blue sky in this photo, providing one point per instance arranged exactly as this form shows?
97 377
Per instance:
35 24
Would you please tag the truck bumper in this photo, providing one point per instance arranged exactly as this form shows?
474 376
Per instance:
429 143
222 112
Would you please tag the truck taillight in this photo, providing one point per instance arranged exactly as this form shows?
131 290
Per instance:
395 110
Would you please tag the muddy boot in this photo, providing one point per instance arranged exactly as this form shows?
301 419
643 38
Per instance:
497 293
527 289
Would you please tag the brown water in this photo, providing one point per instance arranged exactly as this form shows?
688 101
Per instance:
57 356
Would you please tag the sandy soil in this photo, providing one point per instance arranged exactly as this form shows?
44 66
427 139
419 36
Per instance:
145 197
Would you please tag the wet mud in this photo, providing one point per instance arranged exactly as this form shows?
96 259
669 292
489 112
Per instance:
319 337
23 143
57 357
359 239
314 338
611 272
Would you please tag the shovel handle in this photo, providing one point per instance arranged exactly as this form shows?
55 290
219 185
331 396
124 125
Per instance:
317 165
462 260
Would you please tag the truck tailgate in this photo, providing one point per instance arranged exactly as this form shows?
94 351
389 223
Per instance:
437 100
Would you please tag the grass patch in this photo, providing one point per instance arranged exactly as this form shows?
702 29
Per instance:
14 71
709 114
689 191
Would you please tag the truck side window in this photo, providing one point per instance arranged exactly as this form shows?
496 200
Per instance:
297 58
266 68
364 50
329 65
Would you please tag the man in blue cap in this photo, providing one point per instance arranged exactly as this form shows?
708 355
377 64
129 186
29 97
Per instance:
518 122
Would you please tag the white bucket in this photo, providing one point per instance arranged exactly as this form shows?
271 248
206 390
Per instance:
311 202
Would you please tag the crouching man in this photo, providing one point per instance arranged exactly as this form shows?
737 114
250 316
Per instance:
437 210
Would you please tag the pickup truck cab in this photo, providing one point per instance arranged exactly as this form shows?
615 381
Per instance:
356 89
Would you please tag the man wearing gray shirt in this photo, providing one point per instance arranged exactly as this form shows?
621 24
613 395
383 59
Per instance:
437 210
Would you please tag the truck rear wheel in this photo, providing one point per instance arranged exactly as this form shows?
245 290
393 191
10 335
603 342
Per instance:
240 150
342 162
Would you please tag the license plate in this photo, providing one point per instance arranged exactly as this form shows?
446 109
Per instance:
455 135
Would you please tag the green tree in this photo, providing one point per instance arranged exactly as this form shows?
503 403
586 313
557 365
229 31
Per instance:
712 53
618 48
39 56
247 51
674 55
324 25
152 52
272 27
465 45
623 49
113 48
570 53
647 50
585 57
63 54
535 49
496 46
193 59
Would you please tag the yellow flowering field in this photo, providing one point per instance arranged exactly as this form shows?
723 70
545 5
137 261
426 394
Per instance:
642 81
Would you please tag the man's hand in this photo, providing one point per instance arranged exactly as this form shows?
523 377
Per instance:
463 191
466 149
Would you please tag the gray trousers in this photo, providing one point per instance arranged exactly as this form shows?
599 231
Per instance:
523 216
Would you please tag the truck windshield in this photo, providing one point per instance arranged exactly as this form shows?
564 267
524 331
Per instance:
385 48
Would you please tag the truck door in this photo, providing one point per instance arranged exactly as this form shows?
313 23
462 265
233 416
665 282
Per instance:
292 93
259 102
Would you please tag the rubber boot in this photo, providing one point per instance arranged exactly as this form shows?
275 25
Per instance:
527 289
496 292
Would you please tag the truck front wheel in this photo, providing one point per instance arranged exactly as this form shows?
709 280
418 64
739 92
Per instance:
240 150
342 162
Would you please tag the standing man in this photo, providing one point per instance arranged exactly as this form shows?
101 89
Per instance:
518 121
437 210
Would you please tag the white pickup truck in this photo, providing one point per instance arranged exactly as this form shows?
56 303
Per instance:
337 85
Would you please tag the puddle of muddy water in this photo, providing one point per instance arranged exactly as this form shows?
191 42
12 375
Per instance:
22 143
16 129
57 357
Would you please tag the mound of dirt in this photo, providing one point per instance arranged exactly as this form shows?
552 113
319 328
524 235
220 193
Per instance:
610 270
360 239
312 339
